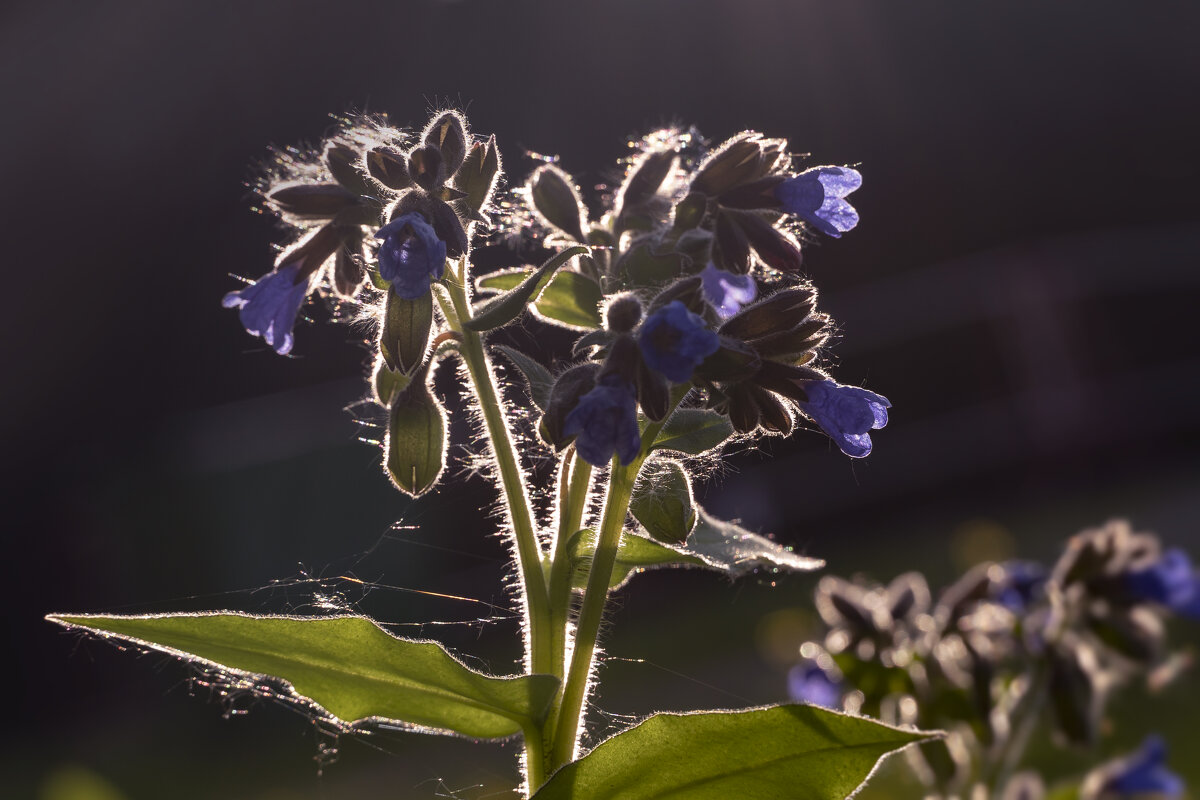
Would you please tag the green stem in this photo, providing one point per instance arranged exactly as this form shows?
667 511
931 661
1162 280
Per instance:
575 481
570 717
535 759
512 481
570 520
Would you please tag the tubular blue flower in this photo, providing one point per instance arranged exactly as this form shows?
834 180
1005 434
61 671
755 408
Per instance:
816 196
808 683
847 413
1171 582
605 422
726 292
1143 774
674 341
411 256
269 305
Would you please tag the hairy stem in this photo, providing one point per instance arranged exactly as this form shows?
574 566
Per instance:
538 638
570 717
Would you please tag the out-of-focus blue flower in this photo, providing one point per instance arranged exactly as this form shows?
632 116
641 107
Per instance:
808 683
817 197
1022 583
605 422
846 413
1144 774
269 305
726 292
411 256
1171 581
674 341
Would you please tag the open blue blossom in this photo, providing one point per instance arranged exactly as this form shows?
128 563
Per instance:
1143 774
726 292
817 197
674 341
269 305
605 422
411 256
808 683
1171 581
847 413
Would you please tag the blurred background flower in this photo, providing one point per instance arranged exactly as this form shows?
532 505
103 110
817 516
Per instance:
1030 324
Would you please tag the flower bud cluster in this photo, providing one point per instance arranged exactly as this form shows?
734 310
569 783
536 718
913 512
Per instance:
1000 643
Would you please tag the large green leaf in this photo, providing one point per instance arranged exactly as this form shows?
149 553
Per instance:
505 308
795 752
348 666
570 298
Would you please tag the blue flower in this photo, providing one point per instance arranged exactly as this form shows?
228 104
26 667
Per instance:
605 422
808 683
846 413
1143 773
1023 581
726 292
411 256
816 196
674 341
1170 581
269 305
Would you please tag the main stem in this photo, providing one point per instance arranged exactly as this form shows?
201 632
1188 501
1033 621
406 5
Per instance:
538 619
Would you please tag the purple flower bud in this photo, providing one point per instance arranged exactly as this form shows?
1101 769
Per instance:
1022 583
726 292
808 683
269 305
1143 774
605 422
674 341
411 256
846 413
815 196
1170 582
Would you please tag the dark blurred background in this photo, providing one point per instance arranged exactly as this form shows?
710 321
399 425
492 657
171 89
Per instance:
1023 287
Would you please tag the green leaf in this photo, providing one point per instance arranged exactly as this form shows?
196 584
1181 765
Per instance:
349 666
714 545
693 431
731 549
635 553
508 306
537 376
571 299
794 751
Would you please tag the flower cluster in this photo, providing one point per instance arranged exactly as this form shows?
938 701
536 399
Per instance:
685 285
998 646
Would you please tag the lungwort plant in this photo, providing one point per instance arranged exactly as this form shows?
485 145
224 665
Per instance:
693 329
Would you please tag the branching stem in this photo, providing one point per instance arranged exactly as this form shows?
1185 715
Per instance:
570 717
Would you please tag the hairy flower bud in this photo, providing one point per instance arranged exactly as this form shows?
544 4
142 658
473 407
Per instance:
623 313
448 133
390 167
557 202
